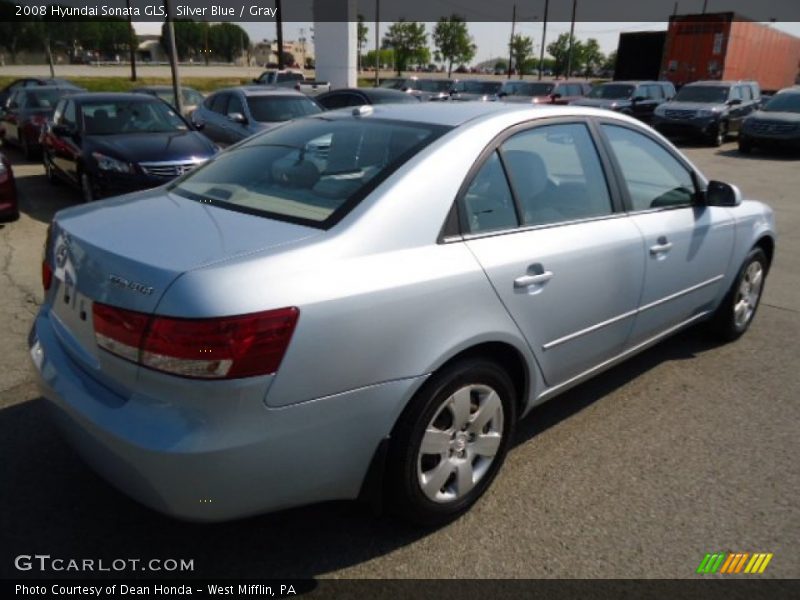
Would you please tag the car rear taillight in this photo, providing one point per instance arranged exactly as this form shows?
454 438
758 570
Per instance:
47 275
219 348
47 269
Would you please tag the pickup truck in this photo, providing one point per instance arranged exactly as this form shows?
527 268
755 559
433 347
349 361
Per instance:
292 78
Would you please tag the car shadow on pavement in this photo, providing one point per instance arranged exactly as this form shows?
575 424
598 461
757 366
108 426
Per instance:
684 346
52 503
761 154
37 197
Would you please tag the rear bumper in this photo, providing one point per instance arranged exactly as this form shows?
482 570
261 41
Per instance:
205 458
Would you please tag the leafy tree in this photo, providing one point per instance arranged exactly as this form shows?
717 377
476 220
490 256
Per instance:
409 42
591 57
610 63
363 31
453 42
190 38
227 40
501 65
386 57
559 50
521 51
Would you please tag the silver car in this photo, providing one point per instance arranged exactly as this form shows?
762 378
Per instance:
369 300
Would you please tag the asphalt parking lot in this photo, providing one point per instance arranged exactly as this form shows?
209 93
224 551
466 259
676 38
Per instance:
689 448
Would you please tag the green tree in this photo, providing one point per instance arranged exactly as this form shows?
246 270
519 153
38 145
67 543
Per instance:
521 51
227 40
501 65
453 42
559 50
190 38
409 42
610 63
363 31
591 57
386 57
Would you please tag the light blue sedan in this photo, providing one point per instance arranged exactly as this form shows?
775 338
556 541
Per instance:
369 300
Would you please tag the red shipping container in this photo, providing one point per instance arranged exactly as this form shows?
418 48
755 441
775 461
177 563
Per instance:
727 46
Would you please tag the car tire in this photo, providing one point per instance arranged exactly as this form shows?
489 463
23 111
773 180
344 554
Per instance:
745 145
453 436
720 135
87 187
738 309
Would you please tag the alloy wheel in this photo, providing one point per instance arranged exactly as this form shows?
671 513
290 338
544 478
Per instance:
460 443
748 294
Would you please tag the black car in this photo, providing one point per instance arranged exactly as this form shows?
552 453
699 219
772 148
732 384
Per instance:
344 97
115 143
27 112
777 125
475 89
30 82
708 110
425 89
636 98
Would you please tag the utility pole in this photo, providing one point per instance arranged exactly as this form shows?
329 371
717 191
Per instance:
279 27
571 39
377 41
511 40
173 61
544 35
131 42
705 6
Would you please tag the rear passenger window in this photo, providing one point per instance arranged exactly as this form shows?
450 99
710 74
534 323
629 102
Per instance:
235 105
488 204
556 174
654 177
736 92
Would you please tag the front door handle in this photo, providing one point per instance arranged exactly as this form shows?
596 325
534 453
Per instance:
529 280
662 247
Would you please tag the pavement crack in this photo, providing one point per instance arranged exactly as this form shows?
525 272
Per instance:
791 310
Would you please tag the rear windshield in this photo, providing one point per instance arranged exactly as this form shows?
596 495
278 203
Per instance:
611 92
311 171
394 84
702 93
520 88
274 109
784 103
44 99
130 116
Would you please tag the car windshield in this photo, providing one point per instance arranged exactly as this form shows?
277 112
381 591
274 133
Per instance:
190 97
130 116
478 87
784 103
44 99
520 88
712 94
311 171
275 109
433 85
611 92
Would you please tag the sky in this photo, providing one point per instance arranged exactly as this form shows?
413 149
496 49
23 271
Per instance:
491 38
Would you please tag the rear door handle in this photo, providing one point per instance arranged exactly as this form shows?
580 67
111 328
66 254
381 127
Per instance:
529 280
661 248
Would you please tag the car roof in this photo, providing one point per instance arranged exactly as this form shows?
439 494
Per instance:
457 113
160 88
262 90
715 83
55 86
111 96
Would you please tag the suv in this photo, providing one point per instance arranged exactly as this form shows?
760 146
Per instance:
636 98
544 92
708 109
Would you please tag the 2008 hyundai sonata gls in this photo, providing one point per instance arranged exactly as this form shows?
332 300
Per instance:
377 295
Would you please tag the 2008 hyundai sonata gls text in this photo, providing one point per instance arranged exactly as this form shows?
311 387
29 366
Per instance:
377 296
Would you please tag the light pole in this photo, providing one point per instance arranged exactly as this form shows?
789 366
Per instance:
544 35
571 39
173 60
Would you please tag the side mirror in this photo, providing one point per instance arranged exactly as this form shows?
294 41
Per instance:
734 101
555 96
502 94
255 80
237 117
719 193
197 122
639 98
